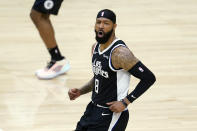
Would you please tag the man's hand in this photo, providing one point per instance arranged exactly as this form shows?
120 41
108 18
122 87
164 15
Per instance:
116 106
74 93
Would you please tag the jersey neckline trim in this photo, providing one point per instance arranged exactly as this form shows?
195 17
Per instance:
101 52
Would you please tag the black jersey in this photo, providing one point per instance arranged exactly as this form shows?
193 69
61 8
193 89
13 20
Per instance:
110 84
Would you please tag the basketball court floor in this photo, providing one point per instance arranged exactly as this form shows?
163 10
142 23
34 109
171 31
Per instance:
161 33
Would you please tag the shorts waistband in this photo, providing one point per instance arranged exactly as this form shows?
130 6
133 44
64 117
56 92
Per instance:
98 105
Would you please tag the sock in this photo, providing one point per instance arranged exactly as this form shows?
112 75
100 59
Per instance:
55 54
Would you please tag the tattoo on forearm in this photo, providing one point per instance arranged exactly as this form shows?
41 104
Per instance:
87 87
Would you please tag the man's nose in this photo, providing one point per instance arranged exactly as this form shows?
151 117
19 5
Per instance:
101 26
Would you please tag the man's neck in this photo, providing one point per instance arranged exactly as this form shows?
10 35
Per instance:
108 43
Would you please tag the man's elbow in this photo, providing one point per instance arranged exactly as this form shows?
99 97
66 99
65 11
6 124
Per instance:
152 78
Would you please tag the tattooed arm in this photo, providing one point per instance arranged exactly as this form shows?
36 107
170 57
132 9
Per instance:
74 93
92 51
123 58
87 87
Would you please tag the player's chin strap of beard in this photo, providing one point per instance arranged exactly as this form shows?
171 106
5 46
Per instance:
106 13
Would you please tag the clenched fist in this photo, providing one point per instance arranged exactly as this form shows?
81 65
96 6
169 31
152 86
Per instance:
74 93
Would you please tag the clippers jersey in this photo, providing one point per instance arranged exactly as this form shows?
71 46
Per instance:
110 84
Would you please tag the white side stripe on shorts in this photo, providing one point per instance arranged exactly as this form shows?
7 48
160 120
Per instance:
114 120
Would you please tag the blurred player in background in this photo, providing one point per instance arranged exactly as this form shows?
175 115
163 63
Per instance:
40 15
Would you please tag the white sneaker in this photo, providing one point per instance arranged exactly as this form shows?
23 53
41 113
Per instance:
53 69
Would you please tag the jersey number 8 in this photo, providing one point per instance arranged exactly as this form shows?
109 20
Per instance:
96 85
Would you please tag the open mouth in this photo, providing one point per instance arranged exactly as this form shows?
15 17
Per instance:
100 34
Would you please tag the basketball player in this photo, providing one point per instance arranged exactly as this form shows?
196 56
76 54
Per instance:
40 15
112 64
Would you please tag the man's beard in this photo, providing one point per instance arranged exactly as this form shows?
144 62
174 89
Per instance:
105 38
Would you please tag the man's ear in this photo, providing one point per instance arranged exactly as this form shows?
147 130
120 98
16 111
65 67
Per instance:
115 25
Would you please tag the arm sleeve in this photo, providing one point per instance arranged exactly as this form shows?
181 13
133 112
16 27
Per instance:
147 78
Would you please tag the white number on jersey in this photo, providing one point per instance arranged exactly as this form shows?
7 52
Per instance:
96 85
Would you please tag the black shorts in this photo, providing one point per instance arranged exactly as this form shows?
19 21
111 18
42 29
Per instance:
47 6
102 119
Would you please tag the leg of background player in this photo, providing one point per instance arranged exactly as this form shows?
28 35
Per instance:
46 31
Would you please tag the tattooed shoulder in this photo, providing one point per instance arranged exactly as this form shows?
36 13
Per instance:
122 57
93 47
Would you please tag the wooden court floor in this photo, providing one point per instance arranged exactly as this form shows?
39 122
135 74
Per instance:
161 33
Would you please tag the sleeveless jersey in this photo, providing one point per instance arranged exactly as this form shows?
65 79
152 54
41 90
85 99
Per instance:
110 84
